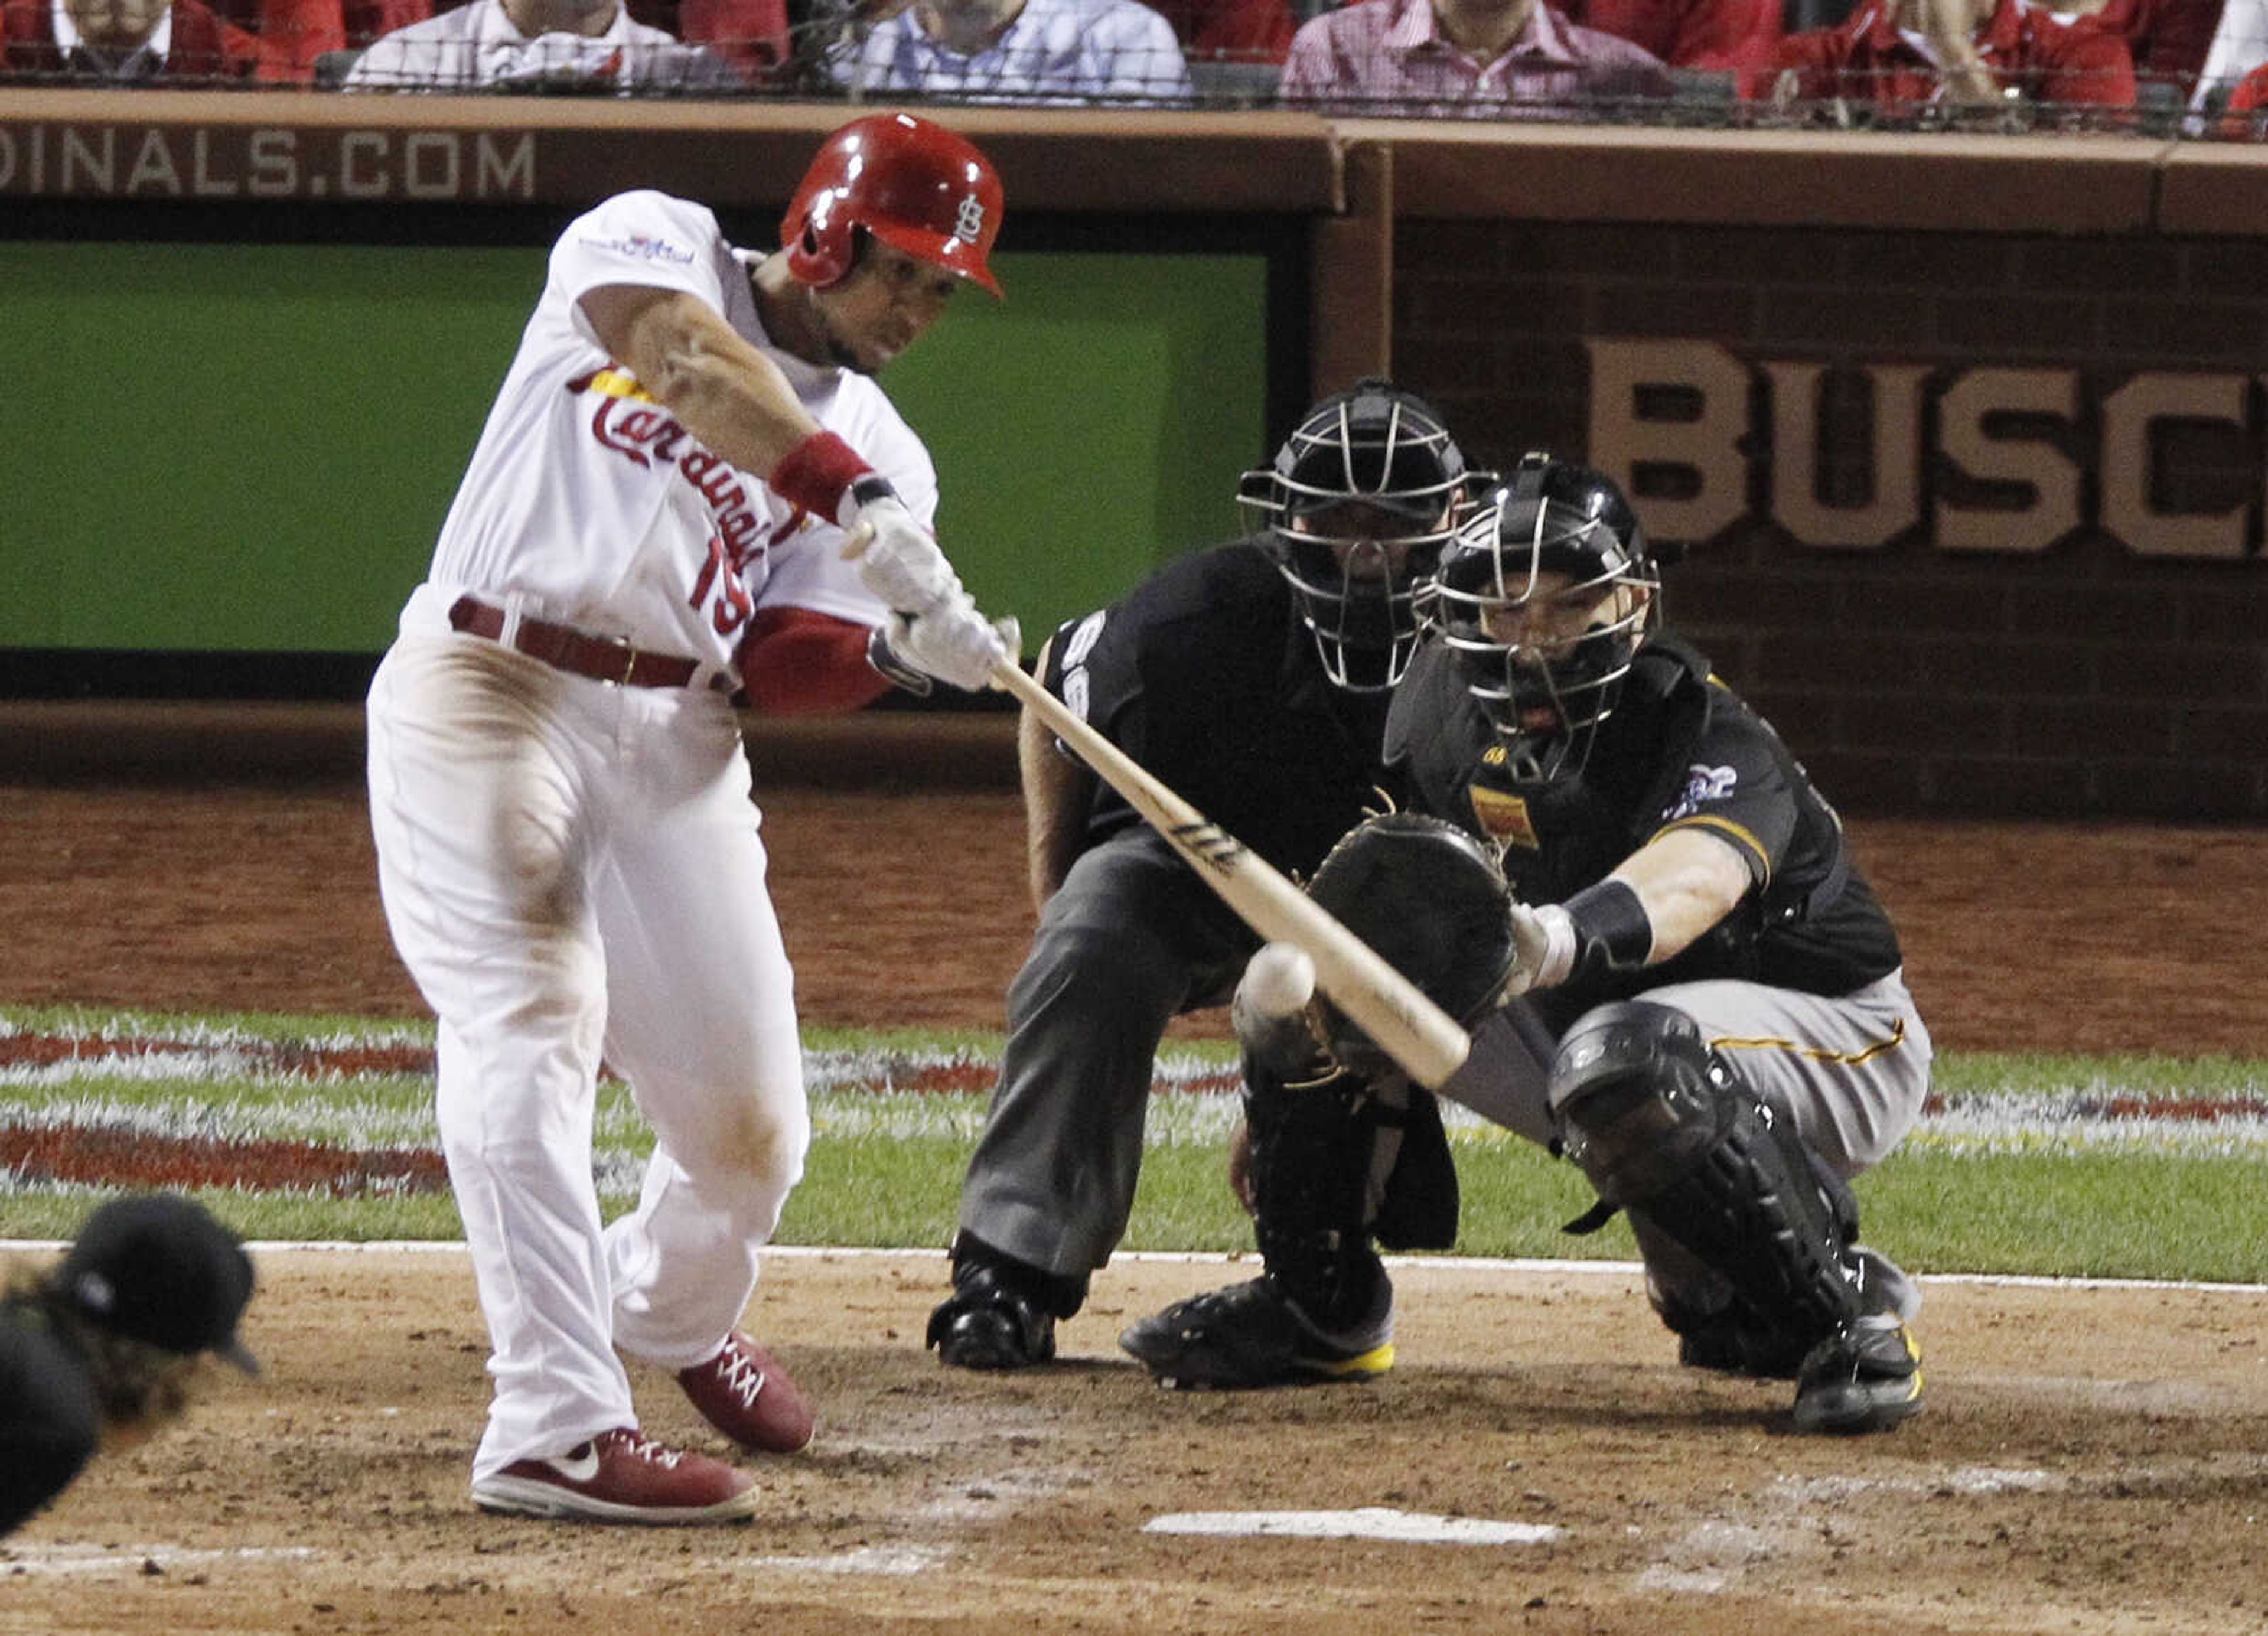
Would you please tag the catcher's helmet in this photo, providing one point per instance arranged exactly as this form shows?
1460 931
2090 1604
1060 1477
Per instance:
1547 690
1372 447
916 186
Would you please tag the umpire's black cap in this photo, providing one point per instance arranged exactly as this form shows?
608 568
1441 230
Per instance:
50 1427
157 1268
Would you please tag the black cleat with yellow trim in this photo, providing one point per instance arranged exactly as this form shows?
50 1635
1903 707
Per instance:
1865 1377
1250 1335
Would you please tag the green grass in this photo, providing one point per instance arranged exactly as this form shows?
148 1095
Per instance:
2181 1201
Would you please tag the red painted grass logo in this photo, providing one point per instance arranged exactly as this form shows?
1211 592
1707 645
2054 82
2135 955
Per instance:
150 1104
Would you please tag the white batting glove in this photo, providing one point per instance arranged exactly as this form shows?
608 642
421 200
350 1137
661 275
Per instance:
954 642
898 559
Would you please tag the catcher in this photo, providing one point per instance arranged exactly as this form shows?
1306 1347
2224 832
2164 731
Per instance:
103 1349
1705 1009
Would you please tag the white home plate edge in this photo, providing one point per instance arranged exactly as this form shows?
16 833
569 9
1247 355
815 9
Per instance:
1367 1523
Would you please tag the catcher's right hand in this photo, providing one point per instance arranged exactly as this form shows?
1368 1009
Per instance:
1544 945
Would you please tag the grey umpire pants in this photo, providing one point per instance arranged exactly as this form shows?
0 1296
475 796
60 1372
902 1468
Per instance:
1132 938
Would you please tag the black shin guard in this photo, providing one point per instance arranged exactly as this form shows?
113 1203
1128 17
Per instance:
1312 1158
1660 1126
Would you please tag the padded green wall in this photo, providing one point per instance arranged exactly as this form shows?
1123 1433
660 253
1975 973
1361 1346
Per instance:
227 447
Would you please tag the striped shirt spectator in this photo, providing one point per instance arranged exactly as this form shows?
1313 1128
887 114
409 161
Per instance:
538 44
1502 59
1020 51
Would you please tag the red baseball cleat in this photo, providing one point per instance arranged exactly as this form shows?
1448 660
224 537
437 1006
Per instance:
620 1476
744 1393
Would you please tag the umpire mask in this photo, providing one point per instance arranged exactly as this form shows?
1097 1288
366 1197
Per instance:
1354 512
1545 596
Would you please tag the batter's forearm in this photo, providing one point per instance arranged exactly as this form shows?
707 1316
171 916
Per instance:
725 392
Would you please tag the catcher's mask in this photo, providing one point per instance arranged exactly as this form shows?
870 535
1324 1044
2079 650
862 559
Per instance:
1545 596
1431 900
914 185
1354 512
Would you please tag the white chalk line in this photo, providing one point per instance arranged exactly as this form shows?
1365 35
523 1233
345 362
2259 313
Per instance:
1219 1258
32 1558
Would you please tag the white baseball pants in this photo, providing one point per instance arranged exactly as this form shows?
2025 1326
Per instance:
573 871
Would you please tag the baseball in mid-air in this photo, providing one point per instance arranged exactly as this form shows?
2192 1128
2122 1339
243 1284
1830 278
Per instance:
1279 980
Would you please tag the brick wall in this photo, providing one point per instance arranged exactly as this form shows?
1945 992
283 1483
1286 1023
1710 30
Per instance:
2091 642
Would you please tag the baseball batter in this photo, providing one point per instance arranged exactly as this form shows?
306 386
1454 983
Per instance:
689 485
1254 677
1707 1012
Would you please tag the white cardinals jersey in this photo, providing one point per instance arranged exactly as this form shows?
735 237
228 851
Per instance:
588 503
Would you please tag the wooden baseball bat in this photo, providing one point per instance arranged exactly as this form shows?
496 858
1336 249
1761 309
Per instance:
1394 1012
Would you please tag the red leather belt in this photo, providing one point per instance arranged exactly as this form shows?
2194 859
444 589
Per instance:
563 647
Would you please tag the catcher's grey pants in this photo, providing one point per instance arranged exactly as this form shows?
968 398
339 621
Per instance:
1852 1070
1132 937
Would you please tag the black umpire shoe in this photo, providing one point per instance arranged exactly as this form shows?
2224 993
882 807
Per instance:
990 1324
1250 1335
1865 1377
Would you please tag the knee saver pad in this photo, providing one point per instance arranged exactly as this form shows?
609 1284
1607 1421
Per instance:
1640 1098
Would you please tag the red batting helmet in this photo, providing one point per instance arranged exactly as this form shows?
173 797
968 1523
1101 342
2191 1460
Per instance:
917 187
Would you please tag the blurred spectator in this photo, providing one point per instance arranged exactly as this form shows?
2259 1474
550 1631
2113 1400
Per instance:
367 20
1714 34
298 31
2168 39
1503 58
1019 51
1237 31
1901 56
2246 116
2239 46
140 42
750 34
538 45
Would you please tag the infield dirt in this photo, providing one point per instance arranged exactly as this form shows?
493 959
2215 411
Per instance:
2094 1460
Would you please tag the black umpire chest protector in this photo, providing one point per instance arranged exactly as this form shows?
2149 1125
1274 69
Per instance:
1205 675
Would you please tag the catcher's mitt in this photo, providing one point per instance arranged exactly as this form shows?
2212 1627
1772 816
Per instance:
1431 900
